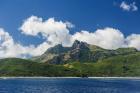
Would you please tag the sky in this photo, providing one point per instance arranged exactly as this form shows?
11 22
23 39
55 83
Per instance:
30 27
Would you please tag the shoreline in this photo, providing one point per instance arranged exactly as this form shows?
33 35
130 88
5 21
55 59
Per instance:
69 77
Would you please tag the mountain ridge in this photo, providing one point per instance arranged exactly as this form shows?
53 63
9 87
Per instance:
80 51
80 60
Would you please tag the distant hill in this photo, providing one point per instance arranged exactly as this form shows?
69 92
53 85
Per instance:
81 59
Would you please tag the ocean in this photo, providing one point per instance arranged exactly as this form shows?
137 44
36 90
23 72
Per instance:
69 85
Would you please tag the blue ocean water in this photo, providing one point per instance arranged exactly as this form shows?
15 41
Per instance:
69 85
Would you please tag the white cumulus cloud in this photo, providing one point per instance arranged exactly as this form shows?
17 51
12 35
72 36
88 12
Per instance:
8 48
107 38
134 41
54 31
58 32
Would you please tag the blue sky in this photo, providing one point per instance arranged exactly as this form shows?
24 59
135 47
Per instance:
87 15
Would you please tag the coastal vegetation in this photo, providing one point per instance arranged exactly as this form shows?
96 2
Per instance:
80 60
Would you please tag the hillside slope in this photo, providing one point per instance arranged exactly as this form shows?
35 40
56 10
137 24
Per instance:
80 60
121 65
22 67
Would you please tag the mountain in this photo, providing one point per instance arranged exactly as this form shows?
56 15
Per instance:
79 51
81 59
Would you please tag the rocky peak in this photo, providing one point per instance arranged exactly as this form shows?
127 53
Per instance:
79 45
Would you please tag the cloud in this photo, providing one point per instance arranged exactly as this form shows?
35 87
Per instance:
107 38
134 41
128 7
58 32
49 29
9 48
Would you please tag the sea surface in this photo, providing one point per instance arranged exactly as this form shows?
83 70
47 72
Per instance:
69 85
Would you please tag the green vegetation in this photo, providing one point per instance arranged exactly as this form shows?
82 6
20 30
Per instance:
21 67
80 60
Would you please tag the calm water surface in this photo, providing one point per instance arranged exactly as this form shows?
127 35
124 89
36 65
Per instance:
69 85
